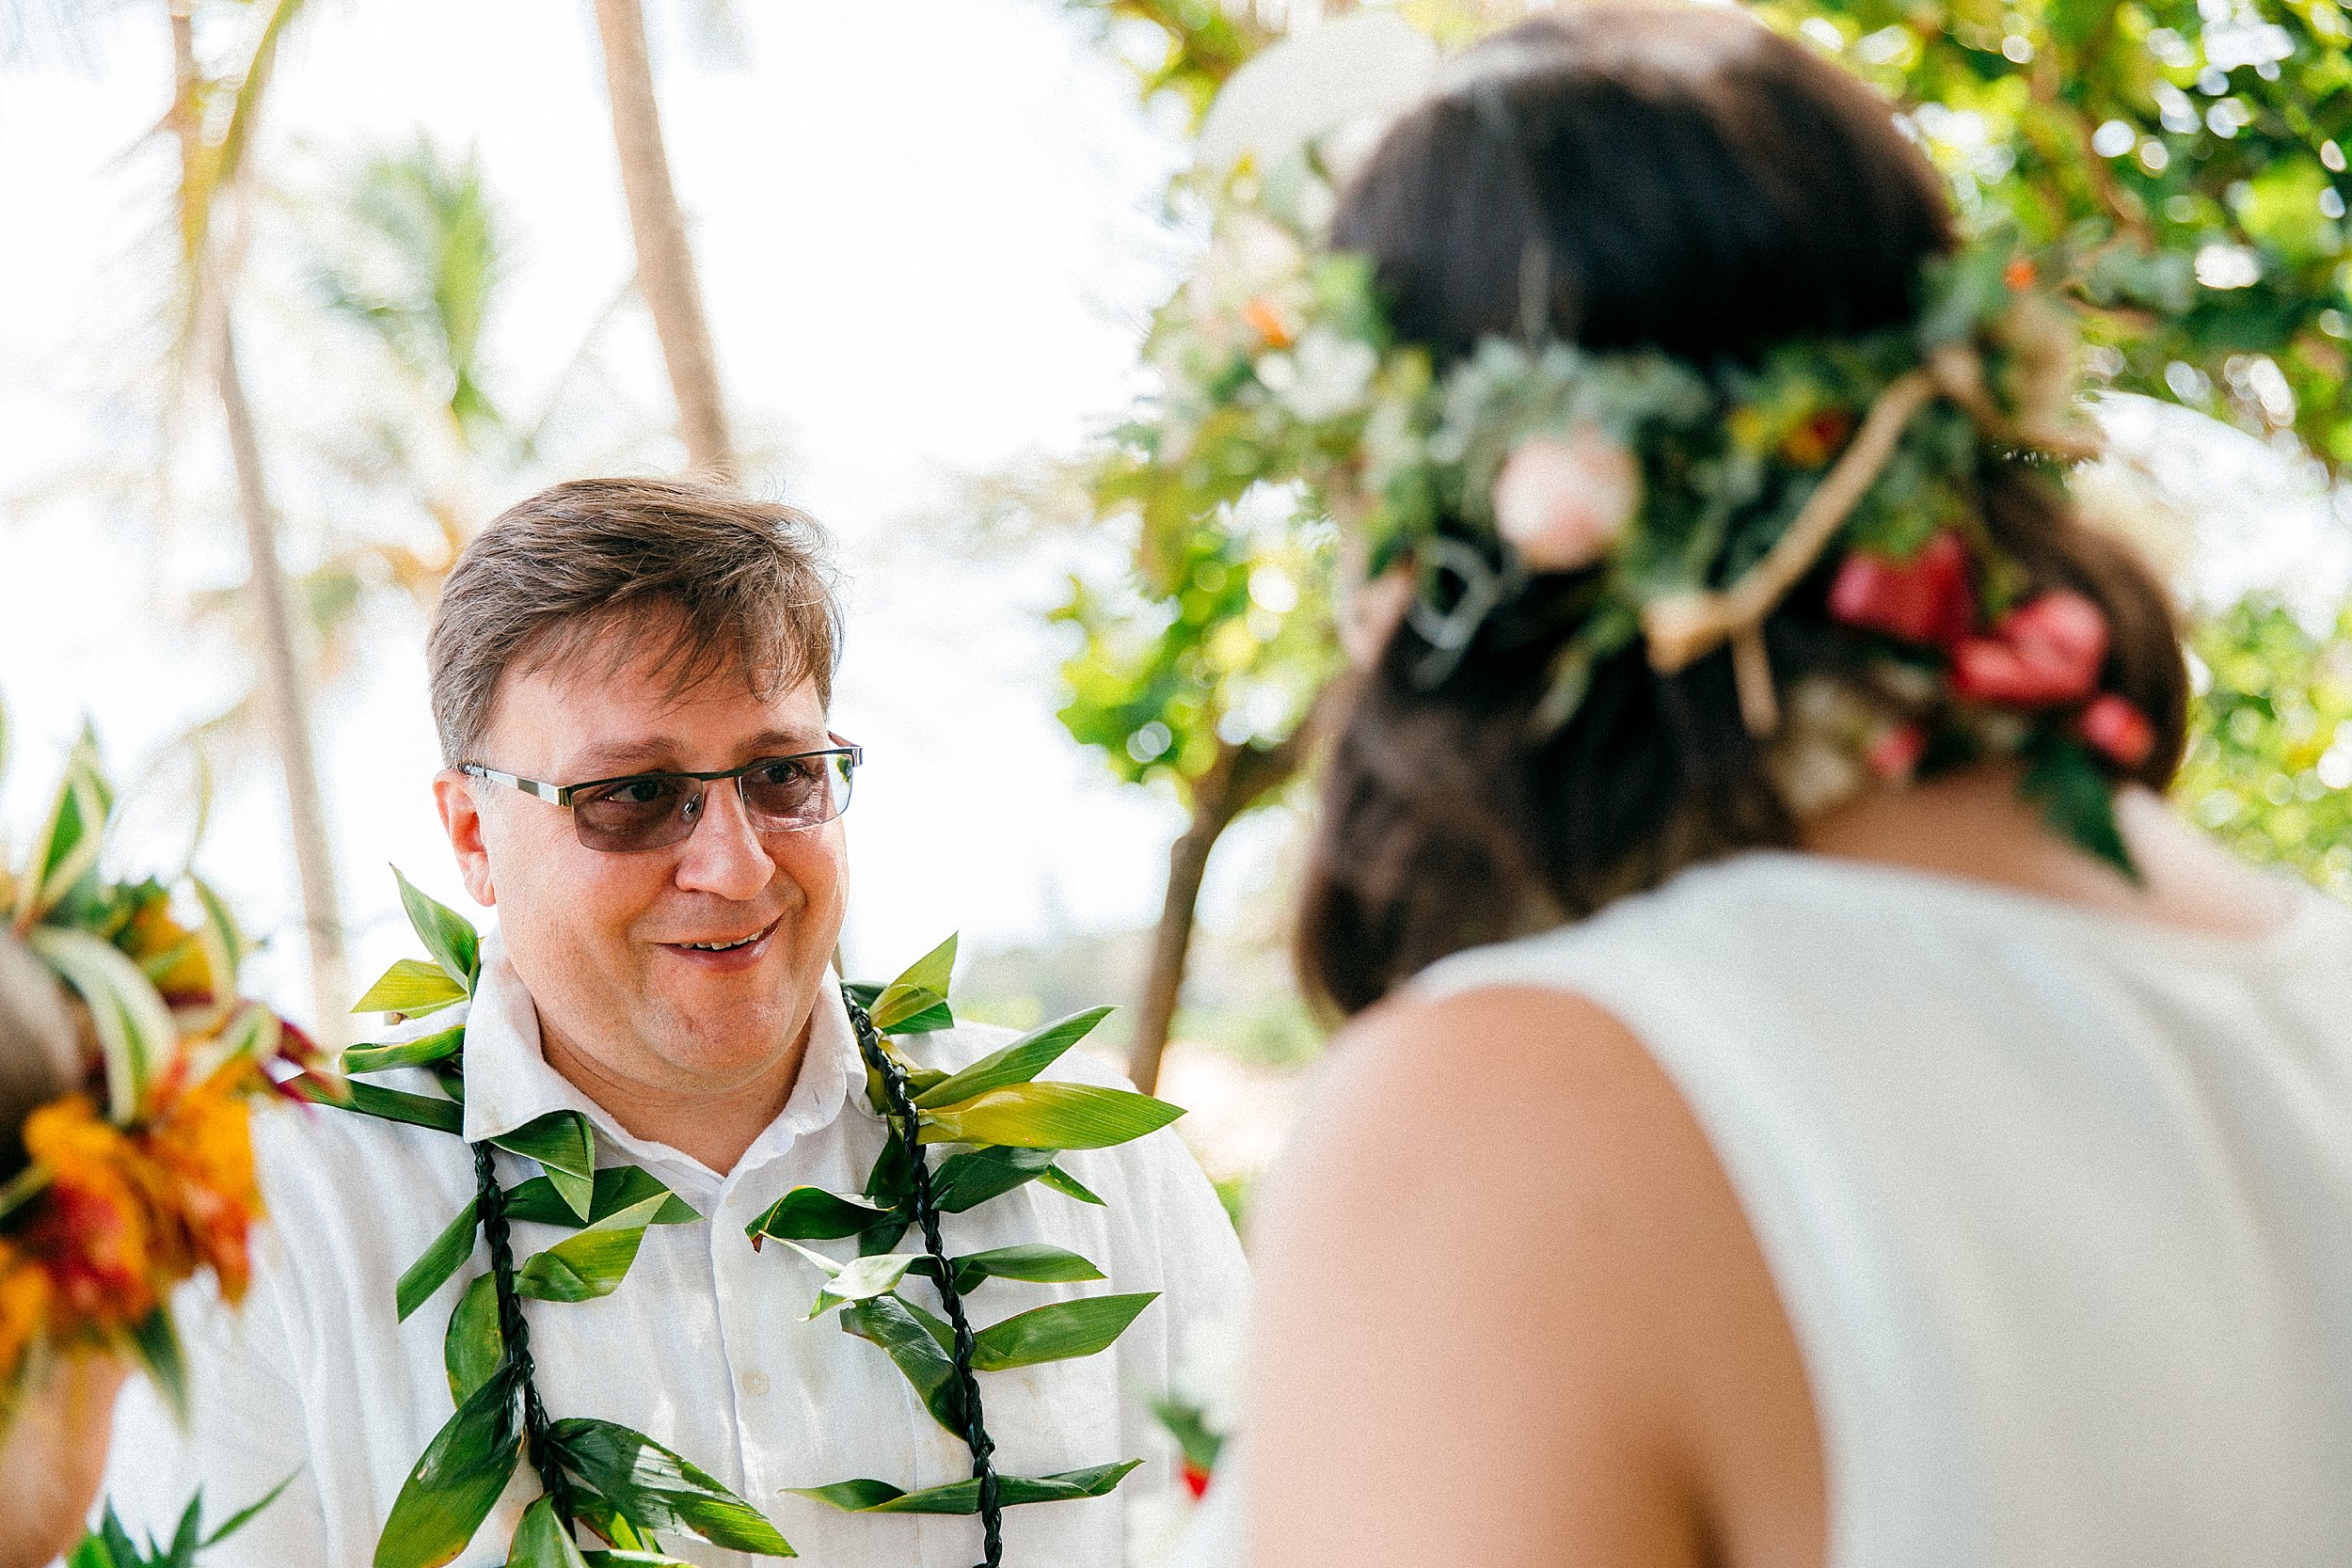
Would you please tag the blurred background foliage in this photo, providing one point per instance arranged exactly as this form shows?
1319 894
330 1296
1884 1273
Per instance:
2181 162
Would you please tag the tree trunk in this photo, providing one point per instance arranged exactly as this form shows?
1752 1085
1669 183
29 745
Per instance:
1240 778
666 264
285 699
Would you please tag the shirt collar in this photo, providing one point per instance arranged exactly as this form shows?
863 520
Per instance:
509 1082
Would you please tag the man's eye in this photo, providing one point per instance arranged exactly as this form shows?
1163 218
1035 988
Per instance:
786 771
640 792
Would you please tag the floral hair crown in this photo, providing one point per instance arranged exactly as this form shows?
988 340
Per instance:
1694 498
144 1177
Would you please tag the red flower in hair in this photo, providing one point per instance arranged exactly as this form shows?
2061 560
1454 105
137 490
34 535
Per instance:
2045 652
2116 728
1927 599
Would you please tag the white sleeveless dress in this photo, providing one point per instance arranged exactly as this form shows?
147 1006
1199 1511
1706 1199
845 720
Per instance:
2059 1204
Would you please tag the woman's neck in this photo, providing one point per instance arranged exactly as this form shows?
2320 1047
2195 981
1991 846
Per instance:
1975 824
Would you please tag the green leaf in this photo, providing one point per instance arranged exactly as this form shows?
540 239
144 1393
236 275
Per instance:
450 1250
1030 1260
371 1100
891 1323
67 847
2077 801
411 987
565 1146
189 1536
471 1345
622 1559
860 1279
456 1480
246 1515
592 1263
968 1180
1066 1184
963 1497
618 1187
543 1540
92 1552
923 987
448 936
134 1028
155 1340
1049 1116
1017 1063
658 1491
811 1214
1059 1332
419 1053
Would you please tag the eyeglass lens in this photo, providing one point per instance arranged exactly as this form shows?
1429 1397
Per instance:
658 810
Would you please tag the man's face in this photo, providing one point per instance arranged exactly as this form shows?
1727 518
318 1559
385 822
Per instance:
607 944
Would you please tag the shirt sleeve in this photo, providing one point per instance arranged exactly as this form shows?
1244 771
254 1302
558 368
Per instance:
246 1433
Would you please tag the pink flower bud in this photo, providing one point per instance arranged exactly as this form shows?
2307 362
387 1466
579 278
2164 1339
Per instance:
1562 502
2116 728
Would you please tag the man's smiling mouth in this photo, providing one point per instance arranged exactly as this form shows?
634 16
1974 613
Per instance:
727 945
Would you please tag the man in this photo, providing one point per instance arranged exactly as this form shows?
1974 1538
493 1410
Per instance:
666 973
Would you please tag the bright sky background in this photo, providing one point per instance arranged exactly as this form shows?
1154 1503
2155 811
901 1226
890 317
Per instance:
928 235
928 238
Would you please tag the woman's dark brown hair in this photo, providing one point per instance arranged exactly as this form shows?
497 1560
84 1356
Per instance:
1682 178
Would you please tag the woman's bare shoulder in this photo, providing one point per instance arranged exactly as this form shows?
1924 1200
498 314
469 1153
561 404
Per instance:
1500 1224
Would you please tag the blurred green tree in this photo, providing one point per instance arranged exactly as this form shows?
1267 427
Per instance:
2183 162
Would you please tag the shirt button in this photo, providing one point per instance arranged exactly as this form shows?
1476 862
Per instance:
754 1383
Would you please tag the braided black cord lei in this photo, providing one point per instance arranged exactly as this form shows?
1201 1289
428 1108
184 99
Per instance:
983 1448
515 1332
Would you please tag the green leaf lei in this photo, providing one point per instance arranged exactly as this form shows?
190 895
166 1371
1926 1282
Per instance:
623 1487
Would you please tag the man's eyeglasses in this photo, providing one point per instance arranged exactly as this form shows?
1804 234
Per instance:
653 811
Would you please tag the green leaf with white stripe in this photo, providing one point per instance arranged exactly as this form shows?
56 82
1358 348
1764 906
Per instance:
134 1028
860 1279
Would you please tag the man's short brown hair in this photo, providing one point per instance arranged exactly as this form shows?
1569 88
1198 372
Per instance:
708 581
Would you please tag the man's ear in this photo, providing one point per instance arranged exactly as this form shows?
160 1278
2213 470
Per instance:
461 819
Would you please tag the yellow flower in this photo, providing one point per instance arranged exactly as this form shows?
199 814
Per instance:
24 1293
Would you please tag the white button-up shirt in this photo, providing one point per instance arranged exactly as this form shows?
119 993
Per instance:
705 1347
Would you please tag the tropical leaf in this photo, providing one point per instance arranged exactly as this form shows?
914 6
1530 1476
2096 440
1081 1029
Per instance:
474 1340
656 1490
456 1480
431 1269
963 1497
1068 1186
433 1048
1030 1260
969 1180
246 1515
374 1099
1049 1116
811 1214
155 1341
448 936
923 987
134 1028
543 1540
859 1281
892 1323
1065 1330
594 1261
411 987
565 1146
67 847
1017 1063
617 1187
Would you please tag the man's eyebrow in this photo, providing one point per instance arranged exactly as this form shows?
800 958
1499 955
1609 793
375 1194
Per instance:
661 754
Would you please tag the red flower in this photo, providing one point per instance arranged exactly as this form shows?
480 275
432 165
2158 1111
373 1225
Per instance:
2045 652
1894 753
1195 1480
2116 728
1926 599
2019 274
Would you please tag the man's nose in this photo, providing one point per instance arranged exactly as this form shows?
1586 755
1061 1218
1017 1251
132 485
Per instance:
725 855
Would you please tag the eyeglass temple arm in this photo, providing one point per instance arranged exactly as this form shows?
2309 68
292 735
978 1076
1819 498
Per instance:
546 792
